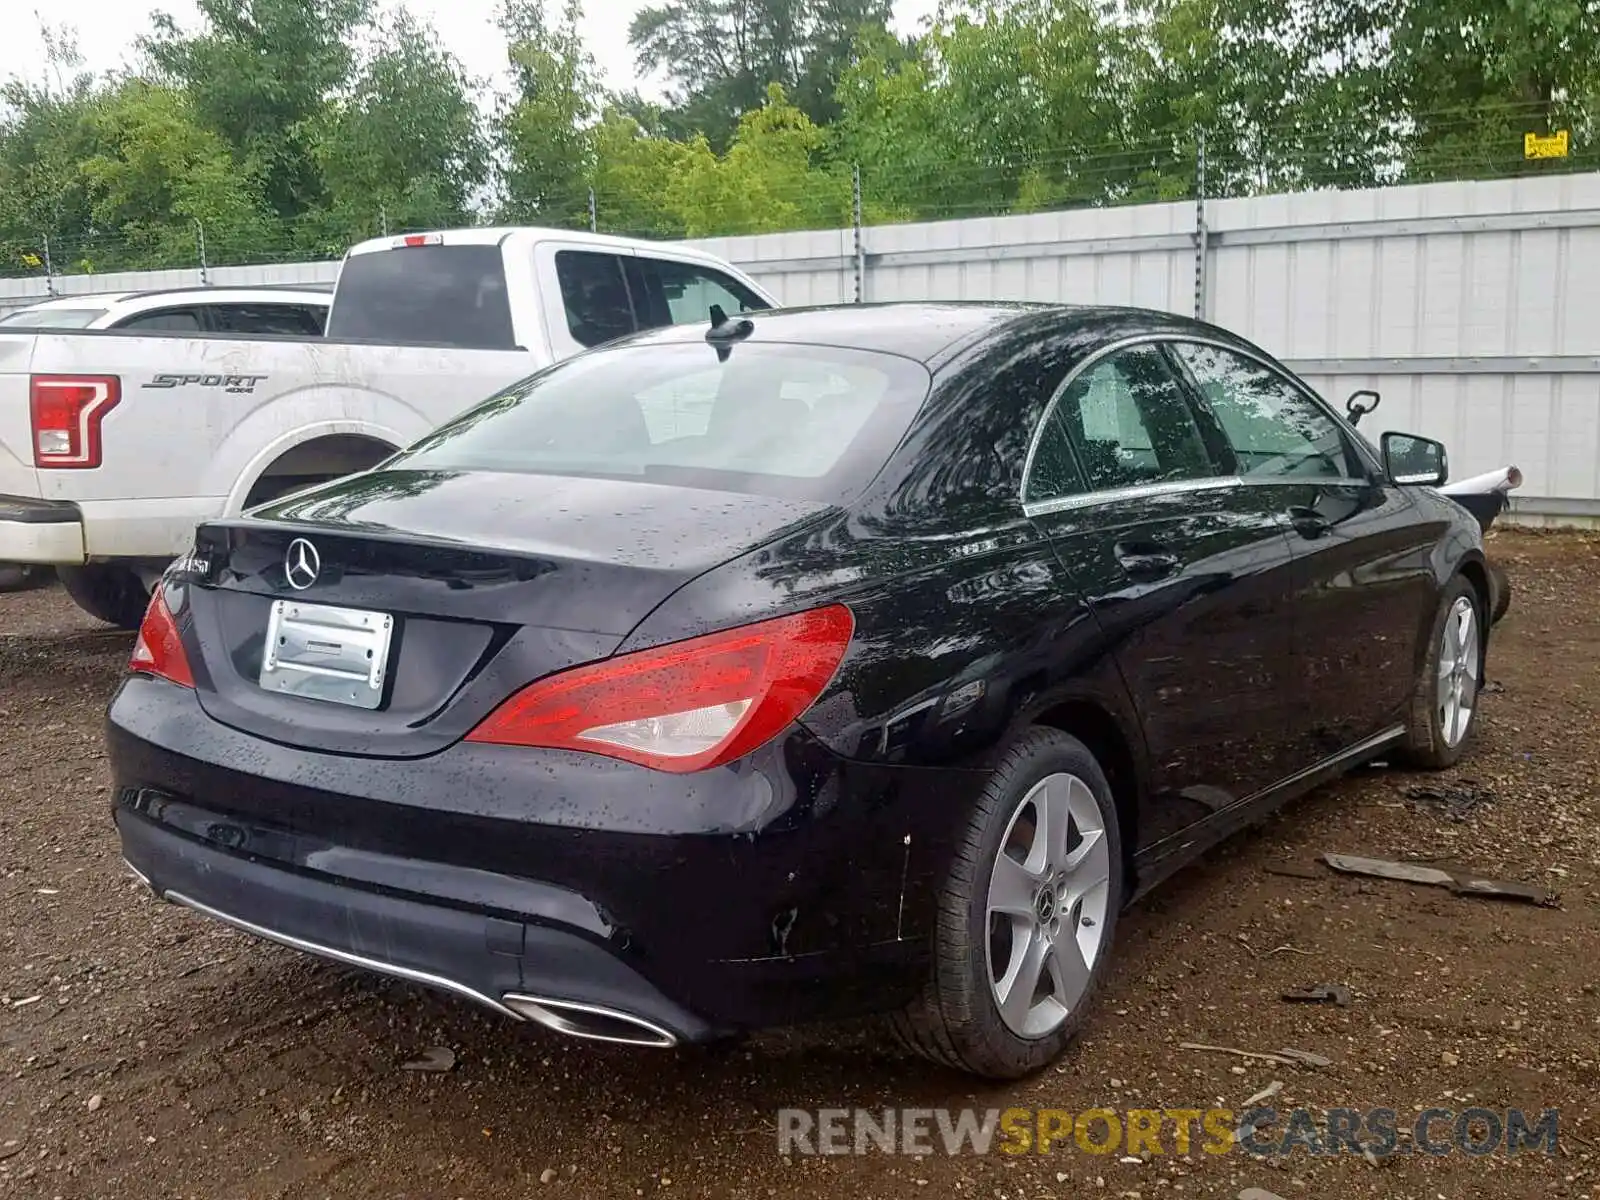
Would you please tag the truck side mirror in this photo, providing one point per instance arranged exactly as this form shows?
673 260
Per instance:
1411 459
1361 403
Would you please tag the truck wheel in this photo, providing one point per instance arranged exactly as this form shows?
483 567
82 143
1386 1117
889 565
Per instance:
1026 918
16 577
107 592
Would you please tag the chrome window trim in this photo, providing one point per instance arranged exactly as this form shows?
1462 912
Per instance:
1176 487
1172 337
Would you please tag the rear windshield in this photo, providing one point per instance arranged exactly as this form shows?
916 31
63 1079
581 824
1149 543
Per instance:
432 295
804 422
52 318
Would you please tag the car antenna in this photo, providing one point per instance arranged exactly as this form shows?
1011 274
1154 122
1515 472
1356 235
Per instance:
723 332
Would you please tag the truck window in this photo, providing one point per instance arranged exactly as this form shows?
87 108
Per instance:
451 295
680 293
291 320
164 320
595 296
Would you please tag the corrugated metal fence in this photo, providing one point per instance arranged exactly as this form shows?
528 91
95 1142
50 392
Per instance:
1473 307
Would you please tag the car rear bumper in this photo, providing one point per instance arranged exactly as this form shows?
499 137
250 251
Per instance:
498 873
40 531
577 987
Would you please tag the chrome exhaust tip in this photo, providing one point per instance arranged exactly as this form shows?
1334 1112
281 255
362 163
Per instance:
590 1021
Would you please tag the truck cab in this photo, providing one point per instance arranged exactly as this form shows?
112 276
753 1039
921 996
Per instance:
115 444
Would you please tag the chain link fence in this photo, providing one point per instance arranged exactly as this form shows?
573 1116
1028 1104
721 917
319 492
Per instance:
1504 142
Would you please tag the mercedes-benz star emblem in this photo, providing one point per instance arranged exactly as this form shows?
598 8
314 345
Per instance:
301 564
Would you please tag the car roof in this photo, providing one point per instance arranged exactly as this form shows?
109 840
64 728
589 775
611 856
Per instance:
929 331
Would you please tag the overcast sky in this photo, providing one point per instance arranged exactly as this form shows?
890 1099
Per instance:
106 31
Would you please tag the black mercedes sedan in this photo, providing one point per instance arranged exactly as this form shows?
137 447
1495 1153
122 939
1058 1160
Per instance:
820 663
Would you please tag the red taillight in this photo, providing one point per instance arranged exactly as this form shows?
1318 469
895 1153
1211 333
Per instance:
159 650
685 706
66 412
420 239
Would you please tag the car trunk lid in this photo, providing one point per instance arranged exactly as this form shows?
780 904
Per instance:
403 606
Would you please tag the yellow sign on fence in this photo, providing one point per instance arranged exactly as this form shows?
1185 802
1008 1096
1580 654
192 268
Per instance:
1545 145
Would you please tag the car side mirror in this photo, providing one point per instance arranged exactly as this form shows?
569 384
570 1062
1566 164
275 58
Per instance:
1361 403
1411 459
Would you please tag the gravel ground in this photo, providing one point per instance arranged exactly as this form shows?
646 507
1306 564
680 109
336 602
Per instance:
145 1052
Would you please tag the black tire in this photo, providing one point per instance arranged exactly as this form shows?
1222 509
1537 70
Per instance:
107 592
18 577
955 1021
1500 587
1426 746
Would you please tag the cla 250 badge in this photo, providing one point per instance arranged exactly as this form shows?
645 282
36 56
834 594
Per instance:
228 383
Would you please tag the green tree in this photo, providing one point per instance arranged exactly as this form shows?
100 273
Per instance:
260 74
1476 75
46 131
545 129
406 148
720 55
158 175
638 174
998 105
769 179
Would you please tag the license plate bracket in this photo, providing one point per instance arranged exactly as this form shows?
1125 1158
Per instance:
321 652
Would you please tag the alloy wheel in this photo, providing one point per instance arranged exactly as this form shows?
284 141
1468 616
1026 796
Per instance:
1047 905
1458 671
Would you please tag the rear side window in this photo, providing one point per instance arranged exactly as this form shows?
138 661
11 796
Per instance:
595 295
1129 424
811 422
169 320
292 320
427 295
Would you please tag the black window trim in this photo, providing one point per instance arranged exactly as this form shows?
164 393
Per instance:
1354 448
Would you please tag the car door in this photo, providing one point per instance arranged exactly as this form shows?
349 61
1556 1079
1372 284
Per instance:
1364 591
1187 572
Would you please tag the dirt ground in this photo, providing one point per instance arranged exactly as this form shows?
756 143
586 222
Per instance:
145 1052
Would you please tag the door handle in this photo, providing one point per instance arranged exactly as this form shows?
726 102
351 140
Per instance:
1308 522
1145 561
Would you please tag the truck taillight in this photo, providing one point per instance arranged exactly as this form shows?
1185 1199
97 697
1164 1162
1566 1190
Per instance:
66 411
420 239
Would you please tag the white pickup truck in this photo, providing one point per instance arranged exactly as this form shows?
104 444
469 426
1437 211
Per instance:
113 446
